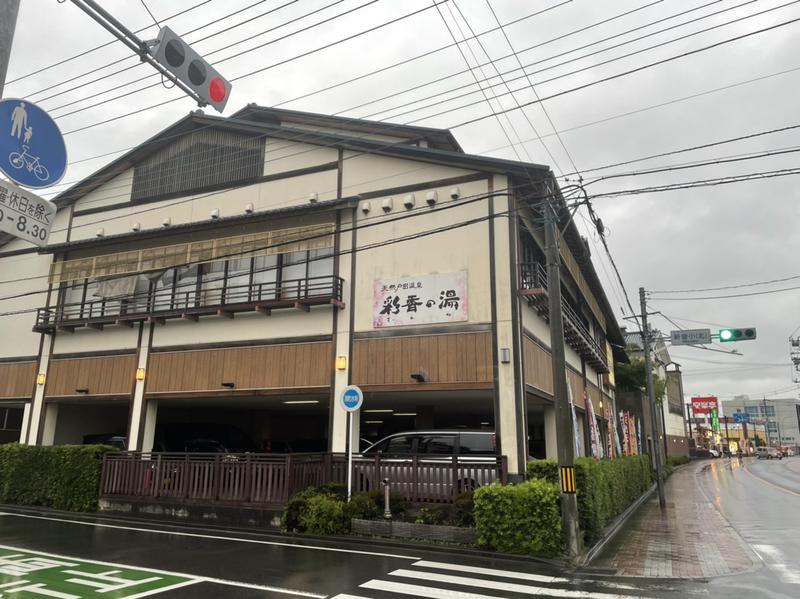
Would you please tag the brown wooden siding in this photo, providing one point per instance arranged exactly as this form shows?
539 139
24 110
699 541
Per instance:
264 367
105 375
594 394
16 379
575 381
464 359
537 366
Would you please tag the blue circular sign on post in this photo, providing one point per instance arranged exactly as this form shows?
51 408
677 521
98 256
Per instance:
352 398
32 150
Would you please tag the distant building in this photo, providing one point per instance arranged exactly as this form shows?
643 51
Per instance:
672 408
781 416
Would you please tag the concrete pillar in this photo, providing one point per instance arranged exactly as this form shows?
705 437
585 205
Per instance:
50 420
137 407
149 428
342 378
550 437
26 418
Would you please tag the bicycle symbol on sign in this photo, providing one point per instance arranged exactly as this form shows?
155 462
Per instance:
18 160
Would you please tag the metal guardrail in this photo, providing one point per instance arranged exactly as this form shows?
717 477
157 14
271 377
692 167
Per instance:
270 479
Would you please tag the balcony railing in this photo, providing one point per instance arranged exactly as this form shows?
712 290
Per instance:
190 303
533 286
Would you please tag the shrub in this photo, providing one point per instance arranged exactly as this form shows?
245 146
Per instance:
397 504
524 519
462 513
66 477
605 487
295 507
324 514
362 506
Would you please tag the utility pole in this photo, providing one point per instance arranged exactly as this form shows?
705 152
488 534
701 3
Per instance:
655 421
565 435
8 22
767 438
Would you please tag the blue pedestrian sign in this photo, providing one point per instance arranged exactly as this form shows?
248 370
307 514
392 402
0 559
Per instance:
741 417
352 398
32 150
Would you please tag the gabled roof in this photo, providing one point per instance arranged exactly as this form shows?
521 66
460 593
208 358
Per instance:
440 139
197 120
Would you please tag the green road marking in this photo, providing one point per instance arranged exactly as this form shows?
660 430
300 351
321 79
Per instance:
32 575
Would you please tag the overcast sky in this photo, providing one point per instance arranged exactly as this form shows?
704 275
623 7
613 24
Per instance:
699 238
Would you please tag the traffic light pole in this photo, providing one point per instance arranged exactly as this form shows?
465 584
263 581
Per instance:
130 39
655 421
565 435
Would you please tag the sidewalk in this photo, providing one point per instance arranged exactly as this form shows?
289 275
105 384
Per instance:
690 539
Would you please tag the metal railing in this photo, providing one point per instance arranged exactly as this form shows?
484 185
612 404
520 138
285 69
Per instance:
174 301
270 479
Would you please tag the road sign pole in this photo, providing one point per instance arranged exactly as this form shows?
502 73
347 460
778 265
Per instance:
349 455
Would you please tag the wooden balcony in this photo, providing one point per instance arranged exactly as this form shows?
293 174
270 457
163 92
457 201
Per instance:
533 287
160 305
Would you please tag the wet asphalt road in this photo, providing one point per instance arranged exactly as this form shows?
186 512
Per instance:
242 565
761 499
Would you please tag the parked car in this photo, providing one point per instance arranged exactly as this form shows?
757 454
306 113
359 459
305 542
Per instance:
768 453
713 453
786 451
116 441
447 462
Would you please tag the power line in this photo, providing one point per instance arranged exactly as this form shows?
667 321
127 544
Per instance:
737 286
150 13
534 46
343 252
716 297
561 93
100 47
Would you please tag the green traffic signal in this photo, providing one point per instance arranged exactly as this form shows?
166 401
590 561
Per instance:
747 334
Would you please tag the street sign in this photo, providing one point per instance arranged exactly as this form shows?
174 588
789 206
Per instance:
704 405
741 417
690 337
25 215
352 398
32 150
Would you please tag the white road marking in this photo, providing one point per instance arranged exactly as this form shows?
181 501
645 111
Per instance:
510 587
512 574
193 579
489 571
213 537
162 589
777 562
347 596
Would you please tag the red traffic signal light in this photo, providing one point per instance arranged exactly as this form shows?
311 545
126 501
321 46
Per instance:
192 70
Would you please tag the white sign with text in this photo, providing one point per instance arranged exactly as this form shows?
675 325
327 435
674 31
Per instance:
425 299
25 215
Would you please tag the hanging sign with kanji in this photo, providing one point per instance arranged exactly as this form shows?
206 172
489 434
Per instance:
425 299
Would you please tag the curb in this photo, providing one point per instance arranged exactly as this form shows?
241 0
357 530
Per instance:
612 529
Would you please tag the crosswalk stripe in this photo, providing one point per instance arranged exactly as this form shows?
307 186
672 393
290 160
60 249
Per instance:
421 591
501 586
489 571
511 574
348 596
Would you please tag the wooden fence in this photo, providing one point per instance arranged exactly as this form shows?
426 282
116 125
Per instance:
268 480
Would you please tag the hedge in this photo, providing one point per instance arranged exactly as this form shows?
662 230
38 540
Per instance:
66 477
524 518
605 487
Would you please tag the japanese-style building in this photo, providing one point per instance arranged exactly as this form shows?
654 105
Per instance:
225 280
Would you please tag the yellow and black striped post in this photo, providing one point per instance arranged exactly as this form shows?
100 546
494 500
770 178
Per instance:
568 479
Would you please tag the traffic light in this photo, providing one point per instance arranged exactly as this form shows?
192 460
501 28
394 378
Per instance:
192 69
747 334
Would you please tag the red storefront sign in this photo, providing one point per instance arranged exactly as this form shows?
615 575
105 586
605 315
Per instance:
704 405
